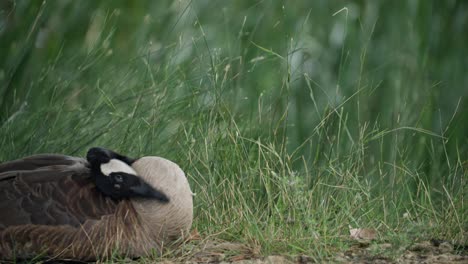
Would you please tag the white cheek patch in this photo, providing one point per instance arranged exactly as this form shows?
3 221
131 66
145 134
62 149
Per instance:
115 165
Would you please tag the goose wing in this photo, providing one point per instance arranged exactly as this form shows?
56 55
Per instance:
50 190
38 161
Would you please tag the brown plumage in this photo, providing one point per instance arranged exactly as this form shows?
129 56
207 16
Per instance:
50 206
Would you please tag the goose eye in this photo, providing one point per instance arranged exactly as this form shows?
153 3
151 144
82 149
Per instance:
118 178
117 186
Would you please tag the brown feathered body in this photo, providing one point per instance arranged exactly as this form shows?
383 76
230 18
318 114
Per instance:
49 206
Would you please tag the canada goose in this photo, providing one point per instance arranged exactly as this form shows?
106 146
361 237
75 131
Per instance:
71 208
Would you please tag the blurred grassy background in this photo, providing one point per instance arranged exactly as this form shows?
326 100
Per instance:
292 120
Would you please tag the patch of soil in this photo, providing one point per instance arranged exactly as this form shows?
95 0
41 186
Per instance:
362 251
424 252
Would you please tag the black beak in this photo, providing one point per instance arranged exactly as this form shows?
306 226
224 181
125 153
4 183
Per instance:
121 185
144 190
124 185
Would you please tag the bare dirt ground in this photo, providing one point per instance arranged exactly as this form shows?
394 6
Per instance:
423 252
222 252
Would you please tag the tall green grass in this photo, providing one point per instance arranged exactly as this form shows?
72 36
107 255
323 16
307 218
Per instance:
292 121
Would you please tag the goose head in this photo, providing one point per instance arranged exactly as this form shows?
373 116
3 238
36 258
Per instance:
157 188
